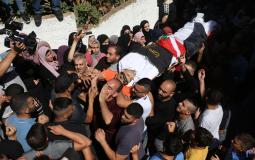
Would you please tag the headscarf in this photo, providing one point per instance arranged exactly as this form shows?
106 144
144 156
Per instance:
51 66
124 28
101 38
124 42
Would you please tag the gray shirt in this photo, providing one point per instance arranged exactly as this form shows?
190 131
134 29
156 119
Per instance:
114 67
184 125
128 136
54 150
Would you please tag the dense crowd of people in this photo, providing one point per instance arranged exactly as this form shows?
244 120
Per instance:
182 90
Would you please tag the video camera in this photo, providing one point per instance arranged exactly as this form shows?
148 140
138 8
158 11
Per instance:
11 29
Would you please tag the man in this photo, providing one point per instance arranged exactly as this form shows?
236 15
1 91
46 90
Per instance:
37 10
140 94
8 75
164 111
110 112
85 74
107 114
184 121
21 120
64 86
10 91
111 60
80 63
129 134
37 138
212 116
63 108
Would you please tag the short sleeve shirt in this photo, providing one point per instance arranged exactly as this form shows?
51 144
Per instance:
128 136
54 150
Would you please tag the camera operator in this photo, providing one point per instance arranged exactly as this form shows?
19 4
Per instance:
8 75
34 57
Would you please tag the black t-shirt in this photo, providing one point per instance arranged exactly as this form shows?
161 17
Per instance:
102 64
73 127
164 112
11 149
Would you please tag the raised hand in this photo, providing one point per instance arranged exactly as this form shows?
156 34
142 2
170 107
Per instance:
11 132
43 119
201 75
100 135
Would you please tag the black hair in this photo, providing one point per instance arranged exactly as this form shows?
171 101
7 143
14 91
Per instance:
64 81
37 137
118 50
14 89
65 68
192 64
101 38
172 145
60 104
146 83
125 27
247 141
70 38
135 109
202 137
143 22
136 29
19 102
214 96
123 42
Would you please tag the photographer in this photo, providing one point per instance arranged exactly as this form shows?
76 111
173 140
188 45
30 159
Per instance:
32 44
8 75
34 56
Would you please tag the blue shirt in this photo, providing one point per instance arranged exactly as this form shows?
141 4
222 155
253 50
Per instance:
22 127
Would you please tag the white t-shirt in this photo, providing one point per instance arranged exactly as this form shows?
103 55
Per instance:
211 119
147 106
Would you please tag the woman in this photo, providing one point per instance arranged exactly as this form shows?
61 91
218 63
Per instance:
48 61
148 34
125 30
104 42
94 54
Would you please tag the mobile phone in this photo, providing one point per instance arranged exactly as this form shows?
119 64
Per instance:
86 33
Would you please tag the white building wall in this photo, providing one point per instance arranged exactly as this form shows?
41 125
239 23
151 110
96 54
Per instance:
56 33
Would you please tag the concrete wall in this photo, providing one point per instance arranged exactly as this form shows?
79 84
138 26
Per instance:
131 15
56 33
